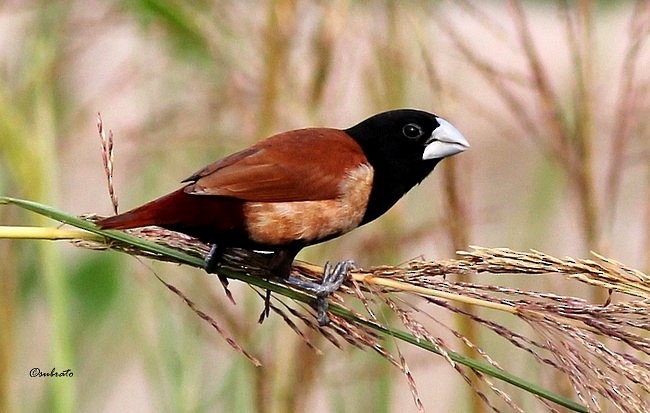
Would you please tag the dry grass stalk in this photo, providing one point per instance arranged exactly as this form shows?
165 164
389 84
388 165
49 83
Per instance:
518 340
576 336
107 159
411 381
231 341
501 81
457 217
287 319
630 97
551 110
568 133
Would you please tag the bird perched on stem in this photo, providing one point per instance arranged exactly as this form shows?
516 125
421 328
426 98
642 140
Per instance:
300 188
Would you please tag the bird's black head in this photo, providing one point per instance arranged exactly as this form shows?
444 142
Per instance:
403 146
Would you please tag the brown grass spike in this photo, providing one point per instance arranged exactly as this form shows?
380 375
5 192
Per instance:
107 159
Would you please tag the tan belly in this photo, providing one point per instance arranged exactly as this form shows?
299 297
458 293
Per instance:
279 223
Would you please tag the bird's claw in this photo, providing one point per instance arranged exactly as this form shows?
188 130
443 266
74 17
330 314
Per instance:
333 277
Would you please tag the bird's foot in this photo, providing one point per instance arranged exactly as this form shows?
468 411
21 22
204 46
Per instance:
333 277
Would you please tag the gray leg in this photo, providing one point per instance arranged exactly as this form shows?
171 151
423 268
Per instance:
333 277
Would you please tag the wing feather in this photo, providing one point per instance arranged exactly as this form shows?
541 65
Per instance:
301 165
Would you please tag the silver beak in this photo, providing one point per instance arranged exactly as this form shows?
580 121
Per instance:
445 141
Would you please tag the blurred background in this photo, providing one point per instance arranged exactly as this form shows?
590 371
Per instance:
553 97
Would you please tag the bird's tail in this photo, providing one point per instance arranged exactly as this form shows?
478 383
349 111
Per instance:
162 212
202 216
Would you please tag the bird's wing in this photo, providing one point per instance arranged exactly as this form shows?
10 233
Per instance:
301 165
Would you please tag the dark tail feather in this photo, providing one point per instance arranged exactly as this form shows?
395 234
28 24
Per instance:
161 212
206 217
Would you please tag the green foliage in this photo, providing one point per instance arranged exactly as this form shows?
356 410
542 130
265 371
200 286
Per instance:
178 20
94 283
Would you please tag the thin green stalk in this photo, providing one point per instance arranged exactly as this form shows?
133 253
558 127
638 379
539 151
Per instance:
458 229
276 43
43 144
8 298
459 233
280 21
281 289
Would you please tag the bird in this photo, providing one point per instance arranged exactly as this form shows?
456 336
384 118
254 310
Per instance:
302 187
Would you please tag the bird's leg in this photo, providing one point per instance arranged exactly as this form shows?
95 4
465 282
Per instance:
212 263
280 266
212 259
333 277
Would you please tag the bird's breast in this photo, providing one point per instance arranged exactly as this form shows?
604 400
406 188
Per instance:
309 222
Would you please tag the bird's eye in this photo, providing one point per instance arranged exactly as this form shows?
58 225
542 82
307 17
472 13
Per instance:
412 131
